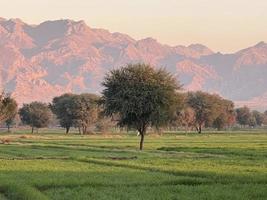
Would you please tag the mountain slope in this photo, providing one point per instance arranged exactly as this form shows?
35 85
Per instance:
38 62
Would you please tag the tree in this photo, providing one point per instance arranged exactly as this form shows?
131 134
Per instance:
7 106
85 110
211 110
61 107
36 114
104 124
141 96
187 117
203 107
252 121
259 117
184 115
225 113
243 116
12 108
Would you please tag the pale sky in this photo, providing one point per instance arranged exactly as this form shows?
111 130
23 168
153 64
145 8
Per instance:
222 25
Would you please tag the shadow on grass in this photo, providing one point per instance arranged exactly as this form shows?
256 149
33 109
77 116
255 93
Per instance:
249 153
214 177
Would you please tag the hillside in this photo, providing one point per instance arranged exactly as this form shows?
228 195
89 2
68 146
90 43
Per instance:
38 62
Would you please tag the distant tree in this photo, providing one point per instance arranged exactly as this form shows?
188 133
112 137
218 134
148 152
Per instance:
220 121
12 108
252 121
104 124
184 115
243 116
141 96
36 114
259 117
85 110
225 113
203 107
211 110
265 117
7 106
187 117
61 107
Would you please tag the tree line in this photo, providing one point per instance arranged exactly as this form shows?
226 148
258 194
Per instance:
138 97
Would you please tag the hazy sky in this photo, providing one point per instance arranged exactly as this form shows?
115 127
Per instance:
223 25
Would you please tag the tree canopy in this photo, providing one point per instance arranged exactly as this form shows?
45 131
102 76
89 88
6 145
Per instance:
141 95
8 106
61 107
243 116
35 114
210 110
85 109
12 108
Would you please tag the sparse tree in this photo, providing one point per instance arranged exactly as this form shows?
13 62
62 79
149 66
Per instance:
184 115
252 121
211 110
225 113
243 116
104 124
12 108
7 106
203 107
259 117
85 110
141 96
36 114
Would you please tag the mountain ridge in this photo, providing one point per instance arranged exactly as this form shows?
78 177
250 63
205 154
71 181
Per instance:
38 62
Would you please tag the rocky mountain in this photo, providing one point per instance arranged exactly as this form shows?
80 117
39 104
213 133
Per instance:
38 62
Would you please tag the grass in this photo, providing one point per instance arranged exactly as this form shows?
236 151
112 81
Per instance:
174 166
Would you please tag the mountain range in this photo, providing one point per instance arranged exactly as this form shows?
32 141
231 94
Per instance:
38 62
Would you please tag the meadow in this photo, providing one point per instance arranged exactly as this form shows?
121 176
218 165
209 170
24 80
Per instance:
215 166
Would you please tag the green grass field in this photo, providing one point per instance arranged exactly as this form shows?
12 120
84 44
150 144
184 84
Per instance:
178 166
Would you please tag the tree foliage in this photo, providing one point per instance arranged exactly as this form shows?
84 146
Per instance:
210 110
243 116
259 117
36 114
141 95
8 106
61 107
12 108
85 110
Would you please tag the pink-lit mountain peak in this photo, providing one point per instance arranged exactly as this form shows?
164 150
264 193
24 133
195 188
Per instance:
38 62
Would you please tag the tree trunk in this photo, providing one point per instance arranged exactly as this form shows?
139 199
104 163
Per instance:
79 128
142 140
199 129
8 128
32 129
67 129
84 130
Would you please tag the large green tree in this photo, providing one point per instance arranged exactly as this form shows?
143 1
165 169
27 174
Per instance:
141 96
61 107
36 114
